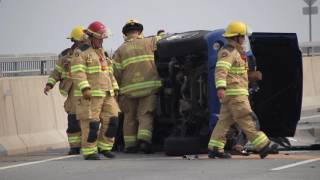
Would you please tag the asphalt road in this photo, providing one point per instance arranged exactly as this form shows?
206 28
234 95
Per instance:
299 165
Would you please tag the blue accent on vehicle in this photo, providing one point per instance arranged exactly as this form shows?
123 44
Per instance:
213 103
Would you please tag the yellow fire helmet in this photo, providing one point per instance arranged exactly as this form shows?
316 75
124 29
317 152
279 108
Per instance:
77 34
236 28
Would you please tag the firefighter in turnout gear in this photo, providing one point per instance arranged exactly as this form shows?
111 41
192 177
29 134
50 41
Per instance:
231 81
138 79
61 73
95 84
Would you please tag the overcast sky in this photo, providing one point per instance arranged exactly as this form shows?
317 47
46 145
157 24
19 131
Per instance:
40 26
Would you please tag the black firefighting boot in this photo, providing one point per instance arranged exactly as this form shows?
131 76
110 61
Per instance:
131 150
94 156
74 151
215 153
107 154
145 147
268 149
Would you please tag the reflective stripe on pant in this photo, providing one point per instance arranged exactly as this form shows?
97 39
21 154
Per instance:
110 109
73 131
236 109
74 140
138 118
97 109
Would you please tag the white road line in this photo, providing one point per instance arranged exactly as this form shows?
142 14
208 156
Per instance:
37 162
309 117
295 164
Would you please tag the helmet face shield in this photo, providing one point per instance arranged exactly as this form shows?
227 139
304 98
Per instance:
246 44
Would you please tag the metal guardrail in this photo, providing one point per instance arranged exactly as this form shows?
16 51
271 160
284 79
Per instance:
26 65
310 48
43 64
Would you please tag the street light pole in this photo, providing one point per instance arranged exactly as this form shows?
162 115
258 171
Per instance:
310 10
310 24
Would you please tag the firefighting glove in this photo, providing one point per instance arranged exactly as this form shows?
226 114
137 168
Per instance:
47 89
254 76
221 93
86 94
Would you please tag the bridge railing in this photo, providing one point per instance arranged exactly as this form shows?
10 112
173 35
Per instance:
26 65
43 64
310 48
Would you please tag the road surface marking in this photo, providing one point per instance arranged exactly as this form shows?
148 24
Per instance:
295 164
37 162
309 117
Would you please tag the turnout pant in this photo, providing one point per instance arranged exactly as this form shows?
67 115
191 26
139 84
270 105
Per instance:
99 122
236 109
138 118
73 130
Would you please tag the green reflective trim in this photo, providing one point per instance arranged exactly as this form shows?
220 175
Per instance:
74 139
130 138
65 75
63 92
130 141
221 83
92 70
58 68
215 143
241 68
89 150
224 64
94 92
142 85
144 134
99 93
83 84
78 68
118 66
77 93
104 146
238 70
52 81
237 92
96 69
260 139
136 59
110 69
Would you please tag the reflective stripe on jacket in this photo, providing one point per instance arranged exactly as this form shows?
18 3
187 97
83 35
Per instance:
61 73
92 69
231 71
135 69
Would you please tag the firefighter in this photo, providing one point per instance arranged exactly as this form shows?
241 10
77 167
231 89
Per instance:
97 108
61 73
231 79
161 34
138 79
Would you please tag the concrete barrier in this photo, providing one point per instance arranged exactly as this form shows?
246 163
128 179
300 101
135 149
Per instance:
30 121
311 83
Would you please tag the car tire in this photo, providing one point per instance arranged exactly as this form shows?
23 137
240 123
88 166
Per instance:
178 146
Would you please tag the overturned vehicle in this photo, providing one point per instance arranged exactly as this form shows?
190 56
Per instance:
188 107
